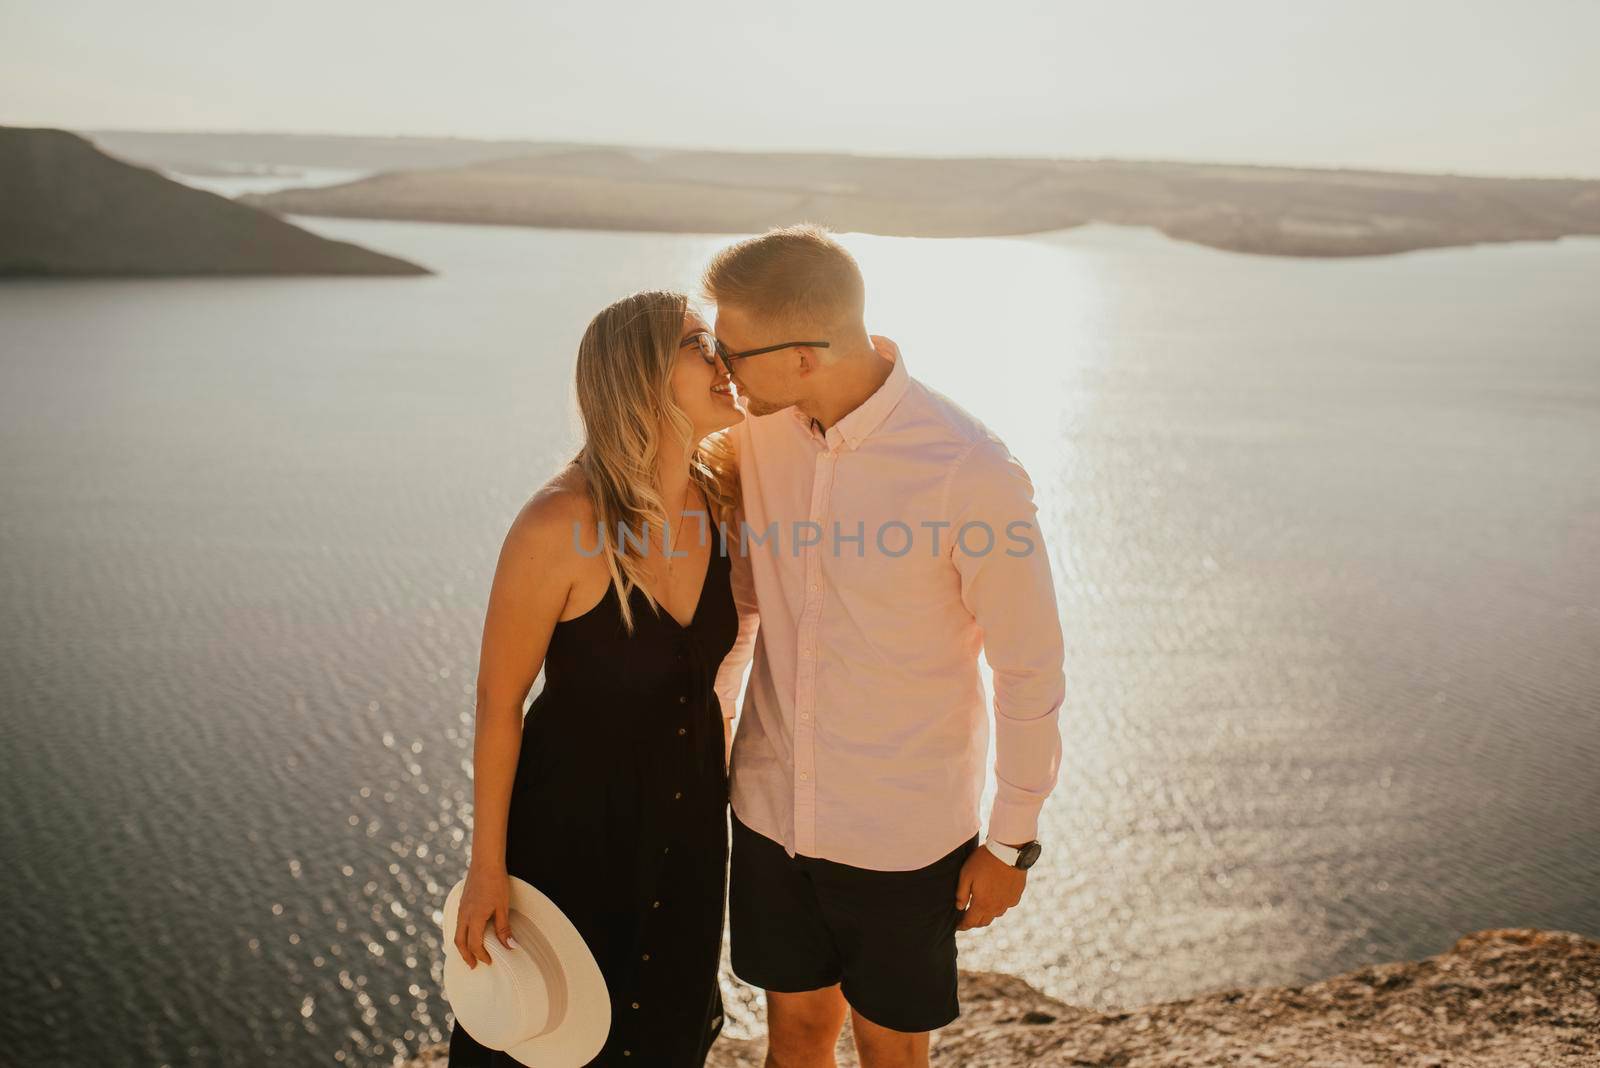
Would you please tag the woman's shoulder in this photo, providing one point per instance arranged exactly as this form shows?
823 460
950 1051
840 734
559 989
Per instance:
552 520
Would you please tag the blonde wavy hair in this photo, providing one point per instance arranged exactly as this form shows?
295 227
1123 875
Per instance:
624 385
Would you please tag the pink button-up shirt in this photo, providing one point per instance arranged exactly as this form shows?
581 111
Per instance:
877 559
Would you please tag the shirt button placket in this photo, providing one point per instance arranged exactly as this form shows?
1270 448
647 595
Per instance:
806 678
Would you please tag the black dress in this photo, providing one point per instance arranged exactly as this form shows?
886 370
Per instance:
619 814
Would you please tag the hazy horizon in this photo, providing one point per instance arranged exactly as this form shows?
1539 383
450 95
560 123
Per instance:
1431 87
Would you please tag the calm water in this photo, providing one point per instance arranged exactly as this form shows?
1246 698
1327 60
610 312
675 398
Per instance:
232 185
1326 536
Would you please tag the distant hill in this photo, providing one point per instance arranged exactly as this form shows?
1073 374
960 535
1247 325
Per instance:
1270 210
66 208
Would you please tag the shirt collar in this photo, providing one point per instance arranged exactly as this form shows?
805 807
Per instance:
855 426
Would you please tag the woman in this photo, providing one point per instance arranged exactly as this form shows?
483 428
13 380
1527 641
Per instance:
611 796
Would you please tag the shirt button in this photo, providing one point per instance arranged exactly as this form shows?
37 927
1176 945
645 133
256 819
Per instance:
666 849
655 904
805 715
646 957
813 585
683 699
627 1053
677 795
804 776
636 1004
682 730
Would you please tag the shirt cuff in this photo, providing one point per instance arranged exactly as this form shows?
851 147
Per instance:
1014 822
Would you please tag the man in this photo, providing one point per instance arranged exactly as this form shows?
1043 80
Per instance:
886 536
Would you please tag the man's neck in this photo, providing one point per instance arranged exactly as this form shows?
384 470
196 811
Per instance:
858 377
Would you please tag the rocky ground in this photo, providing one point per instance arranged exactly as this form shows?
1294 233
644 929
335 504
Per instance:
1496 999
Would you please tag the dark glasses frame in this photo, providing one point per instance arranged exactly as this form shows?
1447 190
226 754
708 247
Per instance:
711 344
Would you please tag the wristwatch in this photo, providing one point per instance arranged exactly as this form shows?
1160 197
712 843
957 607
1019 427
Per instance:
1016 857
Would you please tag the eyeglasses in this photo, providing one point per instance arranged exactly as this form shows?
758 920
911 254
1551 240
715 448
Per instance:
712 347
708 346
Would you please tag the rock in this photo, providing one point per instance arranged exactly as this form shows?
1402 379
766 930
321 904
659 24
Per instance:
1503 998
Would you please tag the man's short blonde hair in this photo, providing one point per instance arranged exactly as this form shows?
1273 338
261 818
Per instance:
798 274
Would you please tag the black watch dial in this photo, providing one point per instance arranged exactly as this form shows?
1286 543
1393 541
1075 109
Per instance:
1029 854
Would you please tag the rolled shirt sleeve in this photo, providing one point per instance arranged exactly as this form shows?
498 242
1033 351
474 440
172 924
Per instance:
1006 584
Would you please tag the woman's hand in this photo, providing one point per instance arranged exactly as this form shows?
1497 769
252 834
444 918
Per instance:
485 899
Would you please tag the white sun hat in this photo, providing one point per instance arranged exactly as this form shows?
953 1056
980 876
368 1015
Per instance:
545 1002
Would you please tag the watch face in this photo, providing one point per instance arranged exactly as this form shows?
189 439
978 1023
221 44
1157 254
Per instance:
1029 854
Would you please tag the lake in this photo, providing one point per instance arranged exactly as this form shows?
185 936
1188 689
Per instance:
1326 537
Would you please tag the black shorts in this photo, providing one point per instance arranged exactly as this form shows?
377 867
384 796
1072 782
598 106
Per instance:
887 937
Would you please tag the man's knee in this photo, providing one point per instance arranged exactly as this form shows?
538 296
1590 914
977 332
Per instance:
803 1028
883 1047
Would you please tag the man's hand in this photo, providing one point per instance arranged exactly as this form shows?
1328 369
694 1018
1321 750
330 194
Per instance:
988 886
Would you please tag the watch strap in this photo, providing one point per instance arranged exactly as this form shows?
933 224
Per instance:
1006 853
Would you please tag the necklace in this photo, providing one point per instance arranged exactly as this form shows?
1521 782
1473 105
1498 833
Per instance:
673 547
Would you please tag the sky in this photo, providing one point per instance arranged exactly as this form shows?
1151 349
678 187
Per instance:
1463 86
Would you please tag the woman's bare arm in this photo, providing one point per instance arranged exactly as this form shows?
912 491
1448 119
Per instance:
532 580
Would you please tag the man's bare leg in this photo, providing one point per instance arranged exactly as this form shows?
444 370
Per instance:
882 1047
803 1028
